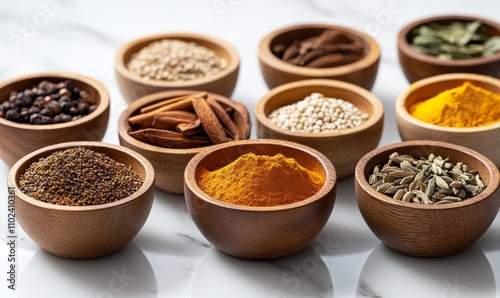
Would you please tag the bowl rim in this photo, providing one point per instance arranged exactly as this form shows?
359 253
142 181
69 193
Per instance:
147 184
415 86
371 98
102 107
406 48
490 189
266 56
330 175
232 66
140 102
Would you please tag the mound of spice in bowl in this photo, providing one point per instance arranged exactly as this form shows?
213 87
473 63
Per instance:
78 177
261 180
329 49
318 114
47 103
175 60
428 180
463 106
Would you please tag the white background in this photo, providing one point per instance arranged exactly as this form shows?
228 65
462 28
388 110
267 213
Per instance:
169 257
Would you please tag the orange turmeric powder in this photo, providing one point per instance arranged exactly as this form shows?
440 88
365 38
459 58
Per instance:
261 180
463 106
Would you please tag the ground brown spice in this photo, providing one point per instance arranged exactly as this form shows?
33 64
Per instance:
78 177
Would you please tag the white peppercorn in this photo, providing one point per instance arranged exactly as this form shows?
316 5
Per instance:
318 114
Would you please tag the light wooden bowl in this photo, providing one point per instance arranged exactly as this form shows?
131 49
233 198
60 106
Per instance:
133 86
277 72
483 139
428 230
83 232
417 66
343 148
17 139
169 163
259 233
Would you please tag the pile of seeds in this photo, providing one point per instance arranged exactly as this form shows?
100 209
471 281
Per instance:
317 113
78 177
47 103
431 180
175 60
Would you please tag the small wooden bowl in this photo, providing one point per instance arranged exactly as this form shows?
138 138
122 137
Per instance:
133 86
343 148
169 163
428 230
83 232
259 233
482 139
17 139
417 66
278 72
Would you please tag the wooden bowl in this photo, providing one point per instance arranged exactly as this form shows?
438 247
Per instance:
343 148
169 163
417 66
133 86
83 232
482 139
18 139
259 233
428 230
278 72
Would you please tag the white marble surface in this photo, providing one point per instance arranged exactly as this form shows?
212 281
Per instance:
169 257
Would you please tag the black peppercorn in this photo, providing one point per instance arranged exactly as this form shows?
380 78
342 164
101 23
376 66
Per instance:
47 103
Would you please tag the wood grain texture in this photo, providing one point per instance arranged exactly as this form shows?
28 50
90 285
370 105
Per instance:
277 72
417 66
260 233
428 230
17 140
482 139
343 148
169 164
133 87
83 232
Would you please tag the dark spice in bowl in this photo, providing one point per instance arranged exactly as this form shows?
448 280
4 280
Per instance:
329 49
78 177
47 103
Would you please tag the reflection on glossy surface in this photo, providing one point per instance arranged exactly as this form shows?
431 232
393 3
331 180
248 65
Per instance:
301 275
387 274
126 273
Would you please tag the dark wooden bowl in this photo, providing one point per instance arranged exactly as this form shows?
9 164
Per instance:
428 230
17 139
260 233
133 86
83 232
417 66
277 72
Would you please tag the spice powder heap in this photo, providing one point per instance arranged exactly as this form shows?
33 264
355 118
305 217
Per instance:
78 177
261 180
463 106
176 60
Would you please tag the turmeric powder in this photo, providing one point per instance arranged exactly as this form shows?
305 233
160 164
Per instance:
261 180
463 106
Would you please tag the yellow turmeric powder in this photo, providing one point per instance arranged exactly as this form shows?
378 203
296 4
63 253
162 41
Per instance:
463 106
261 180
